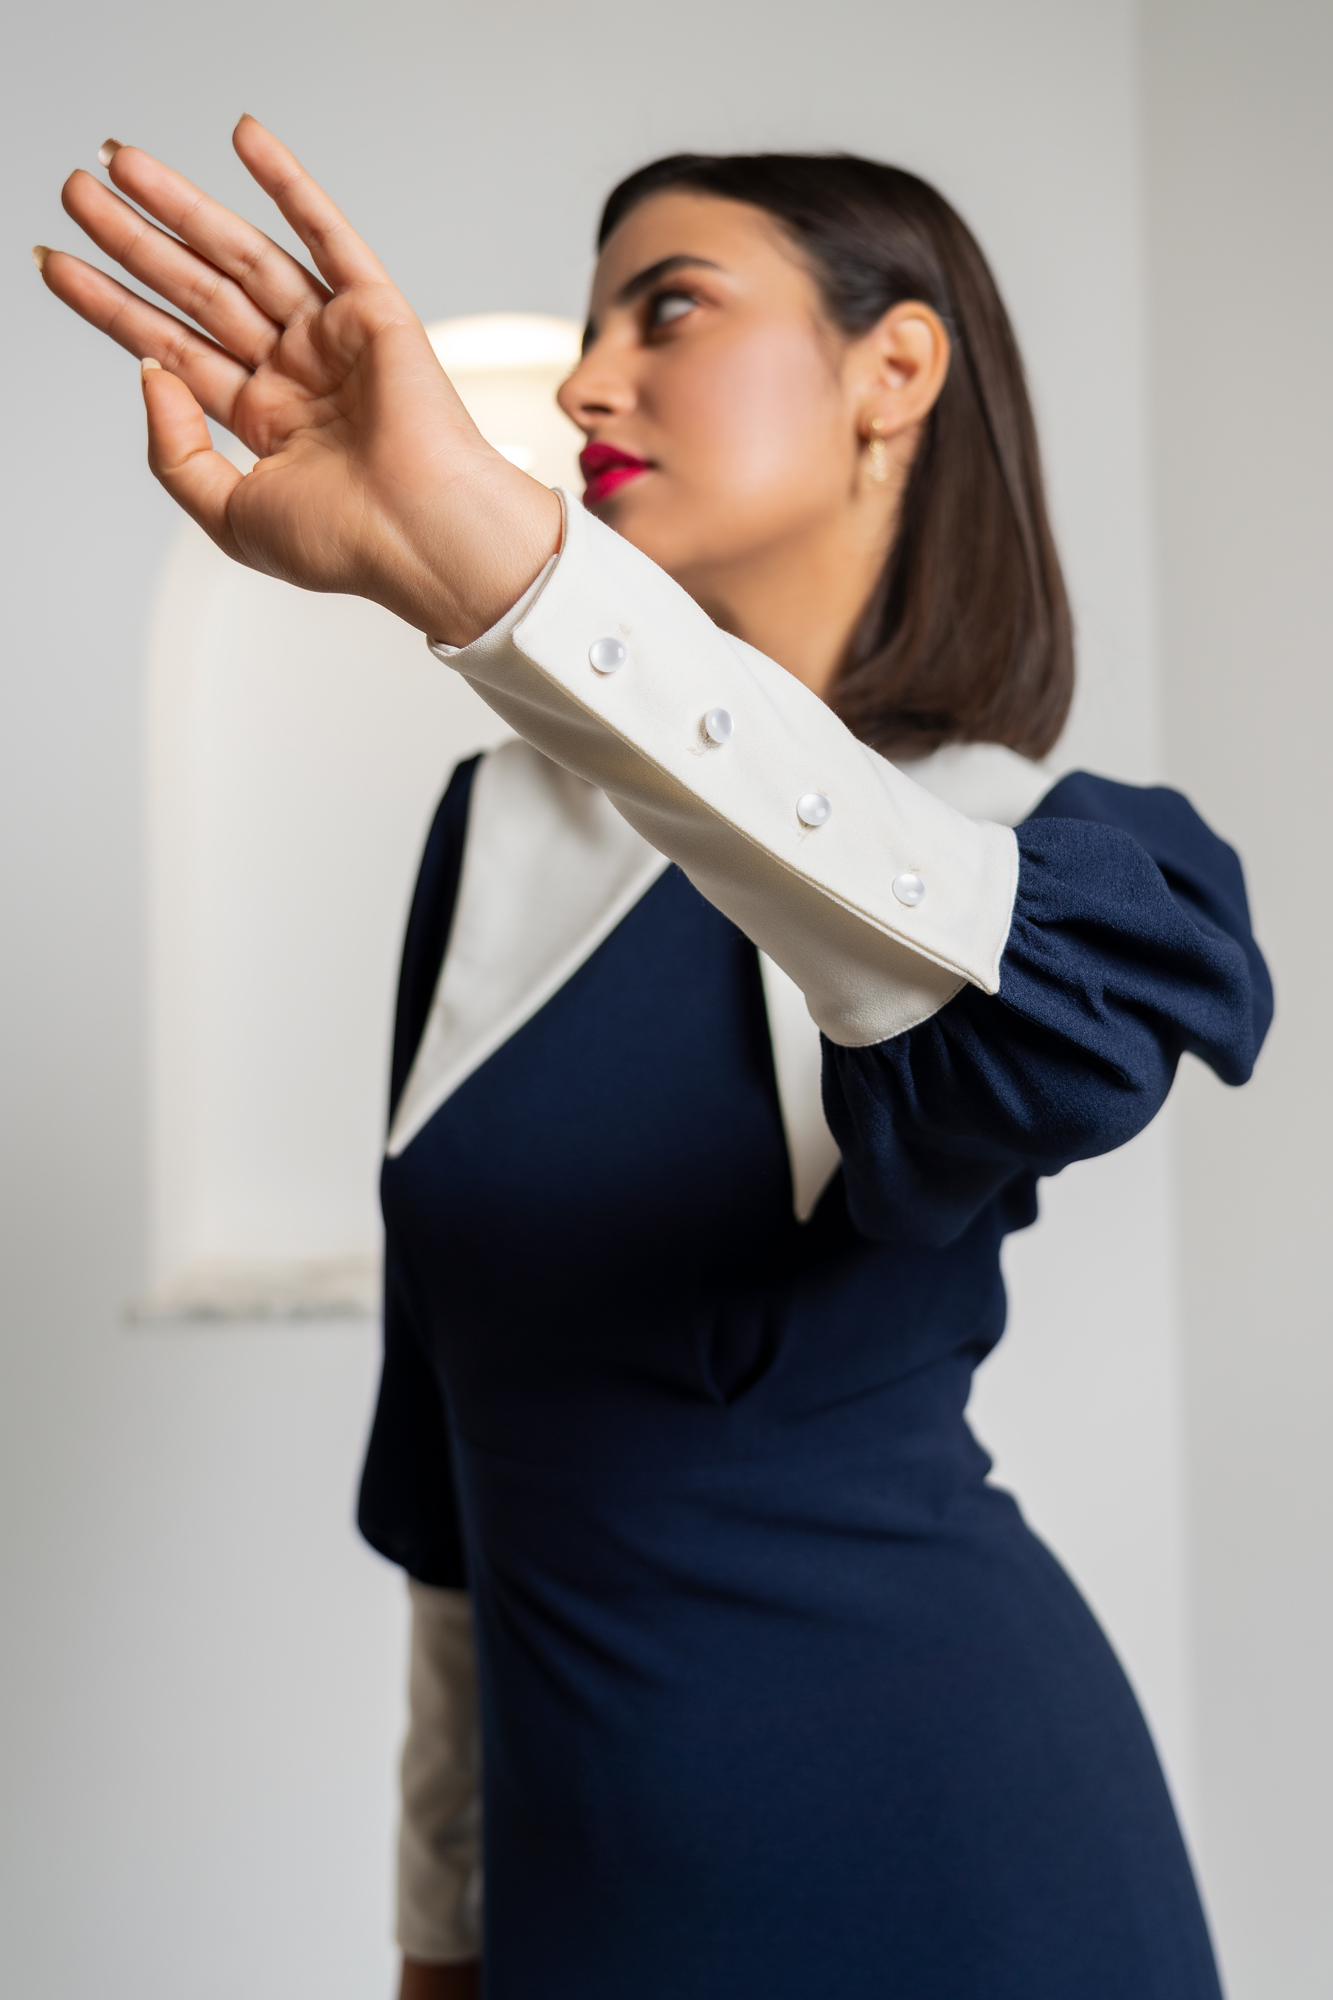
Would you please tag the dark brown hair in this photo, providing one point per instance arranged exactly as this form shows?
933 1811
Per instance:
967 637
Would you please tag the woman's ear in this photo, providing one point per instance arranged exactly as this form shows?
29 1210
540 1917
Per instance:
904 361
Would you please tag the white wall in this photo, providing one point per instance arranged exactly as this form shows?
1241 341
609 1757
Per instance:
1239 104
202 1667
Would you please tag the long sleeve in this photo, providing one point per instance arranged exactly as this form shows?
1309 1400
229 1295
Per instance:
408 1509
995 1004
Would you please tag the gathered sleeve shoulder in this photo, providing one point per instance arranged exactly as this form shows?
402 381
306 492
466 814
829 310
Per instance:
1130 945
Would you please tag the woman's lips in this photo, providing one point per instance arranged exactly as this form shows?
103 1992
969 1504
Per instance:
605 469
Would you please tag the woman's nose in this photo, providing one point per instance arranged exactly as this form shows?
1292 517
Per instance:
598 389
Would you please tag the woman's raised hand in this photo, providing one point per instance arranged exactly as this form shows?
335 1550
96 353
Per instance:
371 477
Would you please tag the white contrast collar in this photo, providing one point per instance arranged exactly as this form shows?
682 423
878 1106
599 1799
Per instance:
550 868
983 780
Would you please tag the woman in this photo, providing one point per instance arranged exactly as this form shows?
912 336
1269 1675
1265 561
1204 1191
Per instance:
777 1695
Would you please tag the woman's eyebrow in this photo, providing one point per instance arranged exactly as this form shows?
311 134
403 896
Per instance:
643 281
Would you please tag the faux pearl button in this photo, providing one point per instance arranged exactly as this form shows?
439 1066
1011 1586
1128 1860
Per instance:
909 889
812 809
608 654
718 726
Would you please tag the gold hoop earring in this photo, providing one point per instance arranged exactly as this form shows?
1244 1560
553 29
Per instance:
877 453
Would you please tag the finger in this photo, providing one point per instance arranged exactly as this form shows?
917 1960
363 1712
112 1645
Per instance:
278 284
178 273
340 255
213 378
181 455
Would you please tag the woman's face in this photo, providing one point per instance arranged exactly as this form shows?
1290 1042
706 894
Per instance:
723 412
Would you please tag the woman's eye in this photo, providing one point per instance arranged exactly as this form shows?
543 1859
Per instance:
668 306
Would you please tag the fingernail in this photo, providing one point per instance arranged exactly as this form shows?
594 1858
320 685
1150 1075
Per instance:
107 151
147 363
40 253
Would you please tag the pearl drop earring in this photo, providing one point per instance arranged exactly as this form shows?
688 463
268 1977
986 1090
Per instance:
877 454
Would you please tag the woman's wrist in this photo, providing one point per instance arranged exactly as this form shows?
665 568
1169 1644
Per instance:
455 571
439 1982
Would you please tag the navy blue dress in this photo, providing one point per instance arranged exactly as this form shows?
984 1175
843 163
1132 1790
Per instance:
779 1697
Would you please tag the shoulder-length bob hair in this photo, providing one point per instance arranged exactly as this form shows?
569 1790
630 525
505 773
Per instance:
967 637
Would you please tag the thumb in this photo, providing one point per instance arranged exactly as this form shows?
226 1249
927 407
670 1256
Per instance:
181 455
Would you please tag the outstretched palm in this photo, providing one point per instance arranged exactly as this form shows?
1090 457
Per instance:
371 477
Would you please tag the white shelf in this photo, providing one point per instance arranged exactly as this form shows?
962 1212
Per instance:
266 1289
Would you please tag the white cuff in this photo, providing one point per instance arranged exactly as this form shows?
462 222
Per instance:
880 909
439 1840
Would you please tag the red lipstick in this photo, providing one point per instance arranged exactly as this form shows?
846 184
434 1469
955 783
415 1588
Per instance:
605 469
